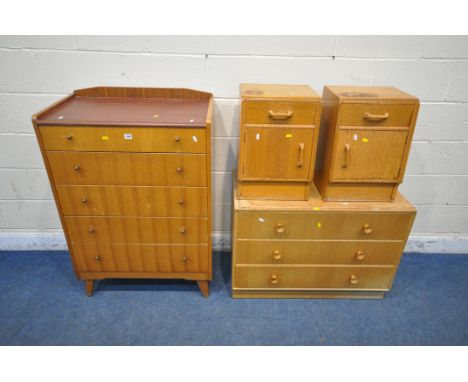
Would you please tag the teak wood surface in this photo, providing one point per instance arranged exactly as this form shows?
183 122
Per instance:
130 170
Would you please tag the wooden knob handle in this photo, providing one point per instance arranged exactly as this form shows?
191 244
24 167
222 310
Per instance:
181 201
367 229
360 255
353 280
98 258
180 169
279 228
274 279
177 139
182 230
91 230
77 167
184 258
276 255
69 137
84 200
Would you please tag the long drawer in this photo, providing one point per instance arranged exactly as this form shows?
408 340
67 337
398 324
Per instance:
92 257
133 201
132 139
134 169
376 114
288 277
323 225
318 252
105 229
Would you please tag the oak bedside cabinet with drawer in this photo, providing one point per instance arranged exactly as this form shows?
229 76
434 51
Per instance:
278 141
365 138
317 249
130 170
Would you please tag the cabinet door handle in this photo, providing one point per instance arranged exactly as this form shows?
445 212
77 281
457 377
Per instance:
375 117
346 155
300 161
280 115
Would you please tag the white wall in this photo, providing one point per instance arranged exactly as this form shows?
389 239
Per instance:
37 70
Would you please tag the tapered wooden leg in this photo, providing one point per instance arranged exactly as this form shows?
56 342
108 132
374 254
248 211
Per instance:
89 287
204 288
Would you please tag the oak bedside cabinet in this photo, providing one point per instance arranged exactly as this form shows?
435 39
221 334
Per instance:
278 141
130 170
365 138
317 249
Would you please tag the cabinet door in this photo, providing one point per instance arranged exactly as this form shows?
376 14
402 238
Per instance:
277 153
367 155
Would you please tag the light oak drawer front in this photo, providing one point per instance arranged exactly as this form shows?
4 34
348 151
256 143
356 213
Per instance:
318 252
279 112
96 229
131 169
323 225
133 201
283 277
136 139
94 257
378 114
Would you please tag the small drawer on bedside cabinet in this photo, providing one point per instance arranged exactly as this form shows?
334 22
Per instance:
132 139
284 277
323 225
279 112
376 114
337 252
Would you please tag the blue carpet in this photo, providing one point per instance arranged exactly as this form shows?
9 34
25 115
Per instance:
42 303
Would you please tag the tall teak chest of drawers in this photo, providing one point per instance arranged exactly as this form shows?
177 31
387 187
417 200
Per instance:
130 169
365 138
315 249
278 141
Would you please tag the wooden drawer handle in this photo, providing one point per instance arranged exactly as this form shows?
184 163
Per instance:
177 139
276 255
280 115
375 117
184 259
181 202
180 170
346 155
279 228
353 280
77 167
367 229
91 230
300 161
69 137
182 230
84 200
274 279
98 258
360 255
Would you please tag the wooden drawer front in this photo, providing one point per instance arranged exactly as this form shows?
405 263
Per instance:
368 156
93 257
133 201
375 114
284 277
277 153
95 229
137 139
279 112
131 169
323 225
318 252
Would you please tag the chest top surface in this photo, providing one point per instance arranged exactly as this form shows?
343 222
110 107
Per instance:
113 109
370 93
277 91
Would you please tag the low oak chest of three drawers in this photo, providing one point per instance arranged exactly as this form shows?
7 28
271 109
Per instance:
130 170
317 249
